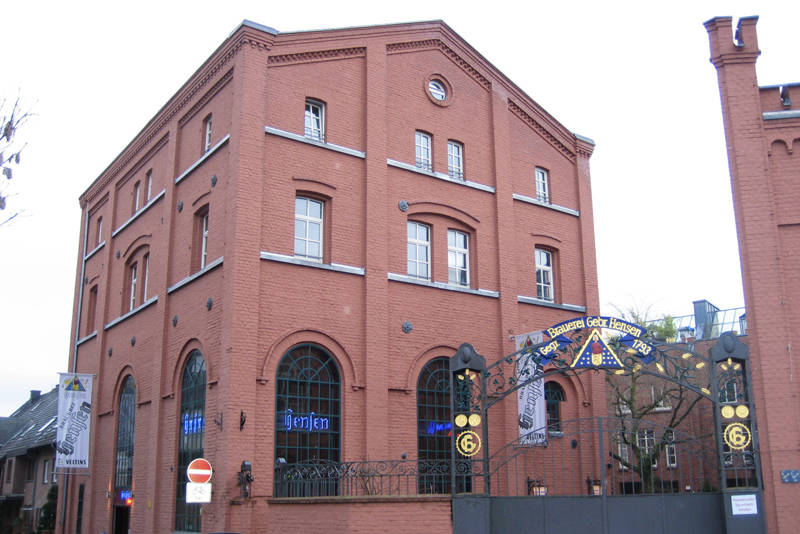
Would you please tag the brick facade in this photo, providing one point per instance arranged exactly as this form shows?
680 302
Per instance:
762 129
243 298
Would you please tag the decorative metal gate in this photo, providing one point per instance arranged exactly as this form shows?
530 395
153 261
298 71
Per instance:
621 472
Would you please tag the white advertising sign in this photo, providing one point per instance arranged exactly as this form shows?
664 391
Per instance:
74 420
530 398
198 493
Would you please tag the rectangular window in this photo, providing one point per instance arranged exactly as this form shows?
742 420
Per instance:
132 283
30 470
46 472
458 257
623 453
308 228
455 160
55 475
137 193
422 146
646 441
660 399
91 310
315 120
419 245
9 469
544 274
99 230
728 393
670 451
542 185
207 134
146 276
204 241
149 184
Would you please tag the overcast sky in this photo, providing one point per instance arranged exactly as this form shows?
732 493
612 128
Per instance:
635 77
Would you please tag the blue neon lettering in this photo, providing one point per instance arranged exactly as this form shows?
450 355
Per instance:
304 422
434 427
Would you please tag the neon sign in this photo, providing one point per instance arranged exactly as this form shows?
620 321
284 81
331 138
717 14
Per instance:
194 424
434 427
309 422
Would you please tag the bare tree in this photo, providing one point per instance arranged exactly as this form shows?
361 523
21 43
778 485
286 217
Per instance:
11 120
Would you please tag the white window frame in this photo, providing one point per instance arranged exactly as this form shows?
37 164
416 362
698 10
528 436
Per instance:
455 160
660 400
542 185
437 90
307 221
670 449
545 287
45 471
207 130
204 241
137 194
149 183
623 454
146 262
53 471
419 244
99 230
314 120
454 253
423 150
132 270
646 441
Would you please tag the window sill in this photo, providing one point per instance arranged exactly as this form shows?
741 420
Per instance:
84 339
556 207
94 251
213 265
439 285
539 302
337 267
784 114
204 157
138 213
321 144
662 409
131 313
439 175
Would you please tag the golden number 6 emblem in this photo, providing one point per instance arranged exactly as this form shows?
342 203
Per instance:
737 436
468 443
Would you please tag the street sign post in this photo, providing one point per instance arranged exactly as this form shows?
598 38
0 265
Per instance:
198 489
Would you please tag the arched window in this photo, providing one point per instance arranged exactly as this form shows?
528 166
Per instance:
553 396
434 427
126 425
307 407
191 427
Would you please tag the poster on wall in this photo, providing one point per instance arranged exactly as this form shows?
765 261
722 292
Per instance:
74 420
530 398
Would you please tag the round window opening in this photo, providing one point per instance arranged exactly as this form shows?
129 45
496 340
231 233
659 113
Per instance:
437 90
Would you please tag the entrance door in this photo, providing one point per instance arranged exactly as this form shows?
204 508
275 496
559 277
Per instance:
122 519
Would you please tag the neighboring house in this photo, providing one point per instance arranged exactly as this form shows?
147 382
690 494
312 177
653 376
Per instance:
762 130
276 268
27 457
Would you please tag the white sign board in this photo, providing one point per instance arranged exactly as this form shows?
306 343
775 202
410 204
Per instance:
198 493
530 398
74 420
744 504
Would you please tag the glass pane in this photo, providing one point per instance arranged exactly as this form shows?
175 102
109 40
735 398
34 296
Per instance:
313 250
299 247
422 270
422 253
315 209
462 240
300 206
412 230
314 231
422 232
412 268
299 228
412 252
451 238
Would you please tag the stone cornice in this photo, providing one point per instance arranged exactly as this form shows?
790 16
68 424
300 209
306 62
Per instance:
437 44
544 132
208 95
245 36
317 55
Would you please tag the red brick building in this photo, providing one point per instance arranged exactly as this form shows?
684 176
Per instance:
274 267
762 128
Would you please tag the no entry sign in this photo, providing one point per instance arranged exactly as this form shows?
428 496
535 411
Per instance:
199 471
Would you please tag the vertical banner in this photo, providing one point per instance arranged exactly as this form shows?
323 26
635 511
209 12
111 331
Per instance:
530 398
74 420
